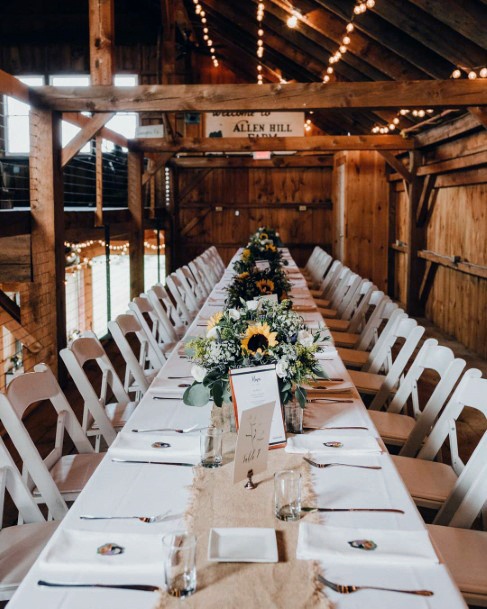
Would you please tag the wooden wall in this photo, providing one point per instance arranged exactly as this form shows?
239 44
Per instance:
457 301
294 201
364 198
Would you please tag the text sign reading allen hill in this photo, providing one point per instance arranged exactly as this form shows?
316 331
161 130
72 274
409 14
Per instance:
254 124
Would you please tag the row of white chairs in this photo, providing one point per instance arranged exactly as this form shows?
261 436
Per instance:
156 320
381 346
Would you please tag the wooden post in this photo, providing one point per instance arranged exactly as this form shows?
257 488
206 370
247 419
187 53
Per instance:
136 208
43 313
416 237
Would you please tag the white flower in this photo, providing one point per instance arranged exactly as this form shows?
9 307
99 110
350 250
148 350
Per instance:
213 333
305 338
198 373
281 368
252 305
234 314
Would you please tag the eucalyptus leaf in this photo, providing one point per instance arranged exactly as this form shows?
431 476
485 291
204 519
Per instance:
301 396
320 372
196 395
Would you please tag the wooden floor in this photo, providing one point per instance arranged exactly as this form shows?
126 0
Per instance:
41 421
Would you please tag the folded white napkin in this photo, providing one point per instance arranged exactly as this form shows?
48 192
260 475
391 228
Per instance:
352 443
326 352
130 445
170 387
322 542
75 552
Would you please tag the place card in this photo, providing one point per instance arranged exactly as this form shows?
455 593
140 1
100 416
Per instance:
262 265
267 298
255 386
253 441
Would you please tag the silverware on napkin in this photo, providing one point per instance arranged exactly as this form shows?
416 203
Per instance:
140 587
310 510
175 429
325 465
144 519
311 400
115 460
349 589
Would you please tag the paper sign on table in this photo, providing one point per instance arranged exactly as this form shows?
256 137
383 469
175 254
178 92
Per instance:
253 441
255 386
262 265
267 298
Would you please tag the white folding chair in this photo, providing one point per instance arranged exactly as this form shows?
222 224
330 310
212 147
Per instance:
354 316
21 544
166 313
202 279
101 417
69 473
410 431
142 367
346 294
196 296
180 297
430 482
321 295
143 310
383 385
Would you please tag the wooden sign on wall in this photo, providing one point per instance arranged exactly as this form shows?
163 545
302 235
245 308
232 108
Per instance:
254 124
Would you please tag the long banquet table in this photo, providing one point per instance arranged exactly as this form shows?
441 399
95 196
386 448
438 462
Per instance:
129 488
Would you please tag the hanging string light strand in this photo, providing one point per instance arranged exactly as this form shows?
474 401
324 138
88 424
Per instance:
198 9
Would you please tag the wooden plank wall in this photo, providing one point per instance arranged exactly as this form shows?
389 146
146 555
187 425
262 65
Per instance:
250 198
366 213
457 302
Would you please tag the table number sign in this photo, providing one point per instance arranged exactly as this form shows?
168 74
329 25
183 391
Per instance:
262 265
253 441
267 298
255 386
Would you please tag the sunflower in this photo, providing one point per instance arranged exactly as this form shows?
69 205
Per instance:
213 321
263 236
258 338
243 276
271 247
246 254
265 286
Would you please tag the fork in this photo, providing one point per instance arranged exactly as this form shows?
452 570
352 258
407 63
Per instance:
344 589
323 465
333 400
184 430
145 519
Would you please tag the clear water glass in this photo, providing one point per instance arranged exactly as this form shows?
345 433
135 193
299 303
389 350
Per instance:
287 495
180 563
211 447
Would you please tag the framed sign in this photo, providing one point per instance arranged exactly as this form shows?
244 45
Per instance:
254 124
252 446
256 386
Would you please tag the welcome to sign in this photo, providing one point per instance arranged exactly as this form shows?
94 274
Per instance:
254 124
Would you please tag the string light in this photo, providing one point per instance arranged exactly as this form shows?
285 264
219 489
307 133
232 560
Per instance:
122 248
198 9
471 73
360 7
417 113
260 40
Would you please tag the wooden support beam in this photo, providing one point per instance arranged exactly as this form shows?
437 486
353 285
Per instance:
44 311
13 87
248 97
136 208
81 121
427 200
416 239
98 181
463 162
155 168
314 143
480 114
10 306
455 263
26 338
397 165
290 161
197 179
15 259
80 139
442 133
427 283
102 26
187 228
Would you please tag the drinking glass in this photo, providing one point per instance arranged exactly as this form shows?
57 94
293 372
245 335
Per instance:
293 415
180 563
287 494
211 447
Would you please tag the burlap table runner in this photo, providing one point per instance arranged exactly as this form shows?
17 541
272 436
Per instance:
217 502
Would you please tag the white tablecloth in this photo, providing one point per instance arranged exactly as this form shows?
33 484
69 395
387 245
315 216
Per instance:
121 489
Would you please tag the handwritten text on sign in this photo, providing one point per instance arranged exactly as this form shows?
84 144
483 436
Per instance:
254 124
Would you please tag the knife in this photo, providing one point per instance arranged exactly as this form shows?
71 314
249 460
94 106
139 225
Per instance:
167 397
115 460
311 400
310 510
141 587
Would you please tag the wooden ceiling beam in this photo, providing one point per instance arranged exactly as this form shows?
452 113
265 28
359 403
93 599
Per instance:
391 38
466 17
480 114
91 129
362 49
102 26
276 162
316 143
80 120
291 96
430 32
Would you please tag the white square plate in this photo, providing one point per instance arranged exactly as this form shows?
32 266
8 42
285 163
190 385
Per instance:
242 545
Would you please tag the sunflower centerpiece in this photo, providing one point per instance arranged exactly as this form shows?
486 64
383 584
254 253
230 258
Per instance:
253 284
254 335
